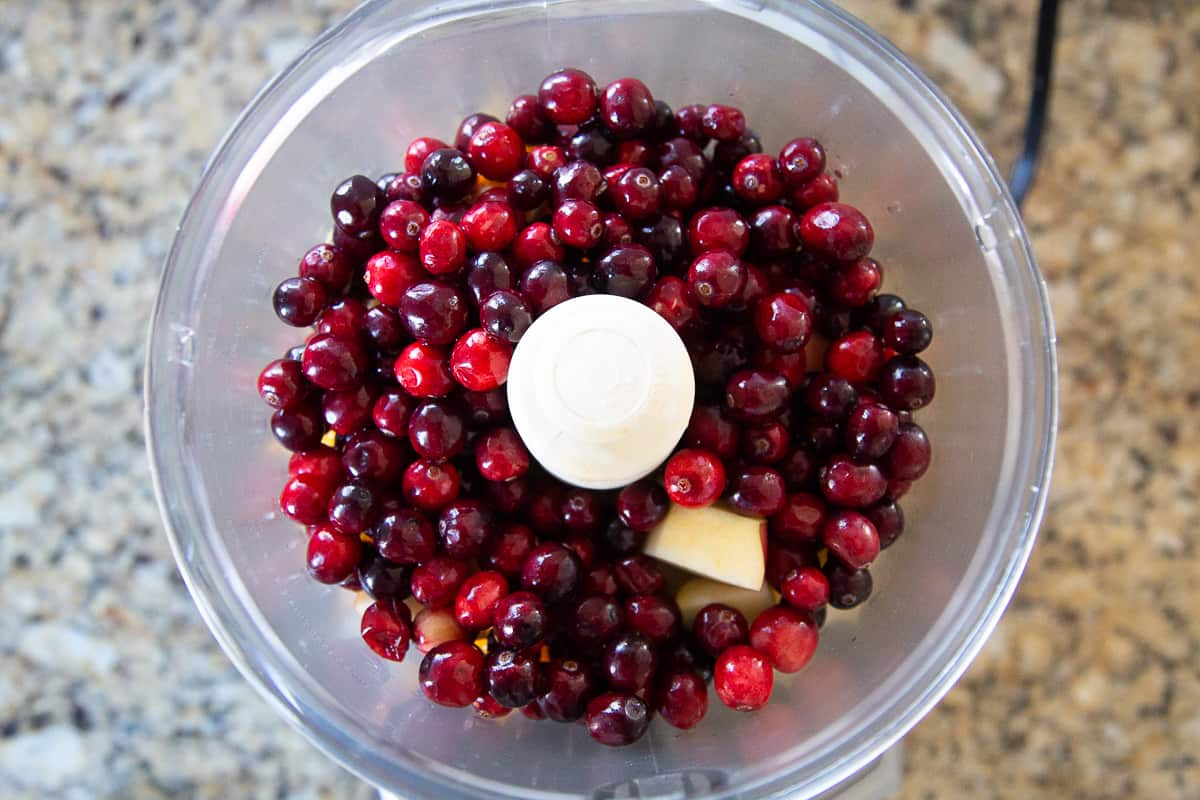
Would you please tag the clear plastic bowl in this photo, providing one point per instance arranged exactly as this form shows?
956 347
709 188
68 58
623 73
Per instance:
948 235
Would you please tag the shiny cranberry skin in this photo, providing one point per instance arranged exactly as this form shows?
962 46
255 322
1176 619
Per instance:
334 363
640 574
723 123
718 627
322 464
528 190
447 175
801 160
800 519
500 455
783 321
626 271
490 225
718 229
664 238
475 603
799 467
391 413
467 128
682 699
370 455
496 151
689 121
465 527
443 248
353 508
782 559
437 431
305 499
788 638
743 678
774 231
356 204
756 179
299 427
757 490
505 316
281 384
580 510
578 180
593 143
765 444
387 628
627 107
806 589
851 485
830 397
851 537
681 152
856 282
820 190
678 190
617 231
910 454
630 662
875 313
756 395
848 587
329 266
906 383
694 477
430 485
402 223
671 299
343 319
635 152
716 278
636 194
653 617
857 357
525 117
551 571
907 331
545 285
568 96
642 505
298 301
837 230
487 273
407 186
710 430
602 579
383 328
579 224
871 429
405 536
485 408
519 620
435 583
452 674
597 620
617 719
479 362
424 371
546 159
513 678
332 555
569 685
888 520
509 547
418 149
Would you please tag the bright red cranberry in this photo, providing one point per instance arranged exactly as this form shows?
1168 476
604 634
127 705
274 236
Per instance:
505 316
329 266
756 179
322 464
496 151
716 278
640 574
718 627
430 485
602 579
281 384
718 229
766 444
353 508
467 128
818 191
695 477
519 620
490 226
332 555
435 583
551 571
800 519
487 273
545 159
788 638
387 628
653 617
857 357
837 230
509 547
391 413
909 456
630 662
683 699
545 285
475 603
888 520
801 160
782 559
343 319
525 117
906 383
356 204
424 371
871 429
617 719
569 685
402 223
405 536
850 485
907 331
757 490
597 620
537 243
783 321
298 301
723 123
443 248
452 674
799 468
334 363
446 174
433 627
743 679
514 679
671 299
848 587
710 430
437 431
479 362
568 96
664 238
678 190
578 223
626 271
636 194
297 428
305 499
756 395
418 149
806 589
851 537
500 455
830 397
642 505
372 456
627 107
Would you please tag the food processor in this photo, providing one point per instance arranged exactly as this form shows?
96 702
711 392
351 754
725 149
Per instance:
950 239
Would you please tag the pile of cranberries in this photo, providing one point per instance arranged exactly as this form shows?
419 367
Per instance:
412 481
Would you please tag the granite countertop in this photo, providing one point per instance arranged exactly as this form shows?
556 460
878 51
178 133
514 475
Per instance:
110 686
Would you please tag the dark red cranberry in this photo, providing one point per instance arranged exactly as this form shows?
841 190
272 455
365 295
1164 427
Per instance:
875 313
627 107
387 628
281 384
519 620
601 579
424 371
405 536
496 151
718 627
407 186
578 180
788 638
597 620
801 160
358 248
783 321
430 485
806 589
888 520
910 454
906 383
640 574
297 428
626 271
568 96
682 699
329 266
636 194
509 547
907 331
694 477
381 578
437 431
653 617
782 559
479 362
800 519
830 397
569 685
818 191
446 174
848 587
475 603
334 363
333 555
710 430
727 155
756 179
592 143
718 229
743 678
723 123
343 319
717 355
297 301
322 464
757 490
617 719
617 231
467 128
671 299
356 204
452 674
545 285
418 149
485 408
525 117
580 510
851 537
799 468
528 191
837 230
370 455
642 505
487 273
552 572
505 316
684 153
630 662
487 708
766 444
391 412
383 328
619 539
774 231
513 678
353 507
756 395
465 527
870 431
305 499
690 122
435 583
850 485
717 278
678 190
490 225
664 238
545 508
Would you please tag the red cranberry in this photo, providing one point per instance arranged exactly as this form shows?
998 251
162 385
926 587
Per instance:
545 508
848 587
718 627
487 708
402 223
545 285
818 191
423 371
479 362
343 319
716 278
578 180
356 204
452 674
851 485
718 229
635 152
727 155
678 190
430 485
465 527
418 149
357 247
597 620
519 620
353 508
875 313
837 230
710 430
334 363
888 520
871 429
406 186
636 194
617 231
391 413
653 617
485 408
592 142
756 179
830 397
683 699
910 454
372 456
568 96
783 321
799 467
383 328
640 574
766 444
490 225
857 357
525 117
671 299
578 223
695 478
856 282
800 519
906 383
446 174
627 107
757 490
514 679
788 638
387 628
851 537
617 719
723 123
552 572
510 546
774 230
305 499
329 266
642 505
332 555
495 151
602 579
297 428
806 589
545 159
322 464
435 583
500 455
630 662
443 248
467 128
690 122
405 536
801 160
297 301
569 686
475 603
756 395
907 331
743 679
508 497
782 559
580 510
281 384
437 431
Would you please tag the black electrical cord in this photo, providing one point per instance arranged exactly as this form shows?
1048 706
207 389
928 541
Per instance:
1025 167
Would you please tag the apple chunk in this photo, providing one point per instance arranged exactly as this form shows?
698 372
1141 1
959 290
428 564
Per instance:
714 542
699 592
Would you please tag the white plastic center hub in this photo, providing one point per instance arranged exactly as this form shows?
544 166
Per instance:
600 389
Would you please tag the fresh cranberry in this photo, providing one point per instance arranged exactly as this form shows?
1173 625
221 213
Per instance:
848 587
617 719
578 180
446 174
806 589
718 229
602 579
322 464
537 243
527 191
910 454
757 490
727 155
694 477
627 107
467 128
718 627
430 485
617 231
820 190
597 620
423 371
485 408
857 357
496 151
487 708
298 301
837 230
783 321
871 429
513 678
653 617
766 444
297 428
353 508
568 96
418 149
305 499
383 328
281 384
710 430
357 247
443 248
505 316
402 223
569 685
479 362
500 455
435 583
437 431
877 311
452 674
329 266
743 679
678 189
387 628
552 572
906 383
888 520
382 579
580 510
830 397
636 194
356 204
756 395
592 142
664 238
640 574
490 225
642 505
630 662
545 508
716 278
851 537
525 117
671 299
626 271
519 620
545 160
756 179
343 319
578 223
334 363
782 559
465 527
820 436
391 412
907 331
689 120
545 285
683 699
475 603
332 555
509 547
800 519
407 186
856 282
788 638
723 123
774 231
635 152
801 160
370 455
487 273
435 626
405 536
850 485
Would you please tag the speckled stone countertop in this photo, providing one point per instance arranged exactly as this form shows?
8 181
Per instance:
110 686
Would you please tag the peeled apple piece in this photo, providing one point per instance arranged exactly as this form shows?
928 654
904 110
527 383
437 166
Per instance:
713 542
699 592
